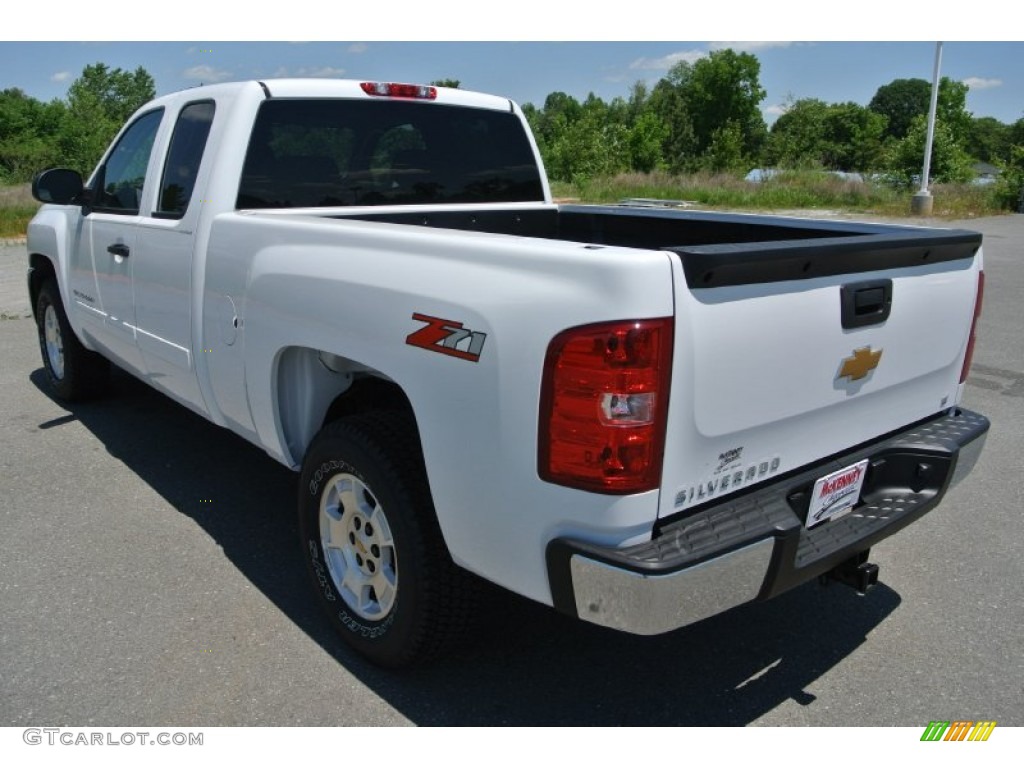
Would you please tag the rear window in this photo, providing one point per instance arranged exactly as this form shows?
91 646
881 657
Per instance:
316 153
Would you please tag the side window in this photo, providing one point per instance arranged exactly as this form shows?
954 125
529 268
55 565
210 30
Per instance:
186 152
122 177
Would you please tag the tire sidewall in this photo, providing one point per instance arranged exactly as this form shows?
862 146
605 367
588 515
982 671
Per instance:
386 641
61 385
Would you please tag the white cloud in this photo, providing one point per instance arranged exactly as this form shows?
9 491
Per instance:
59 77
982 83
751 46
358 48
321 72
667 62
775 110
206 74
309 72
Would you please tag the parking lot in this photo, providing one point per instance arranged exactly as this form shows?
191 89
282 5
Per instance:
150 573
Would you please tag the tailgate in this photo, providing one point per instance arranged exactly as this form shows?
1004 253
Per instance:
787 353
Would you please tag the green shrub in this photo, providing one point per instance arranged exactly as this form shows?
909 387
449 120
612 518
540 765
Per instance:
1009 187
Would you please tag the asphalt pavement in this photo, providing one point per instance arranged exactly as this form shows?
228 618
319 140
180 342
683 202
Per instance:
150 574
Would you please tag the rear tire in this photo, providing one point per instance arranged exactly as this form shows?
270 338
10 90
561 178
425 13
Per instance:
372 545
72 371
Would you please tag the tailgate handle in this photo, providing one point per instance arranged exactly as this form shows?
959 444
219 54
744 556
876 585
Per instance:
865 303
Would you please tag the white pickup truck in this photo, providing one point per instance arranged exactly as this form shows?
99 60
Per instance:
640 417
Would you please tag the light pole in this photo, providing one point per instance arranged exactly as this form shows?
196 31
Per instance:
921 205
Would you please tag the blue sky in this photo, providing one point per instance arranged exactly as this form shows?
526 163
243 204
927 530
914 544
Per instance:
834 71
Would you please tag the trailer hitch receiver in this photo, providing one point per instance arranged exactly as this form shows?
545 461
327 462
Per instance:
856 572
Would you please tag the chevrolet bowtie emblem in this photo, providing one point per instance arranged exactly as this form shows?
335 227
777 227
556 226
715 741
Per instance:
863 362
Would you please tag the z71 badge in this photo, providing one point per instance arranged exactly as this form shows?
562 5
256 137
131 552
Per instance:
447 337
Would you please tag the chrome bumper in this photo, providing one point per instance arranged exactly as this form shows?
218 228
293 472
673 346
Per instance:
650 605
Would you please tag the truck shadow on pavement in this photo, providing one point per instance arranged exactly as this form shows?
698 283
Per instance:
525 664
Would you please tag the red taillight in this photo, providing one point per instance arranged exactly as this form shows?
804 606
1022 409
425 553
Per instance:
604 399
400 90
974 328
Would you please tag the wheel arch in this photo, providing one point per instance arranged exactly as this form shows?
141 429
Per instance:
315 388
41 268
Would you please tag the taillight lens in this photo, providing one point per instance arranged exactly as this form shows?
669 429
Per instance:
974 328
400 90
604 400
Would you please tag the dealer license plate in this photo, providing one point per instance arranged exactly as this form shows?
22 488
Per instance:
836 494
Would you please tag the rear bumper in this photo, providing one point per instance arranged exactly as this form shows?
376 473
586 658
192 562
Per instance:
756 546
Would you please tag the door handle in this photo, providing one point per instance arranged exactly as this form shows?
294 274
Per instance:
119 249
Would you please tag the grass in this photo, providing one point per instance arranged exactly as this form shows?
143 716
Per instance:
789 191
16 208
786 192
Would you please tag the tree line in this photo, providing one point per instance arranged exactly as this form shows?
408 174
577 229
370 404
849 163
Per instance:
706 117
72 132
703 116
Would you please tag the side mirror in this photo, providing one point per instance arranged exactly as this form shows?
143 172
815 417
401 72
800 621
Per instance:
60 186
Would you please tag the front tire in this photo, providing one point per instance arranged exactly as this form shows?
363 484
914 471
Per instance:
372 544
72 371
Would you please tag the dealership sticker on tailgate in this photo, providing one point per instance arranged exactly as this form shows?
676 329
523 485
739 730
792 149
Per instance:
836 494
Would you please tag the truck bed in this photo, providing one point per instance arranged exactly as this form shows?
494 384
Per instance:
768 311
718 249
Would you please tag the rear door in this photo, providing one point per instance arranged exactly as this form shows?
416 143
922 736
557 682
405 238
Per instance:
165 251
